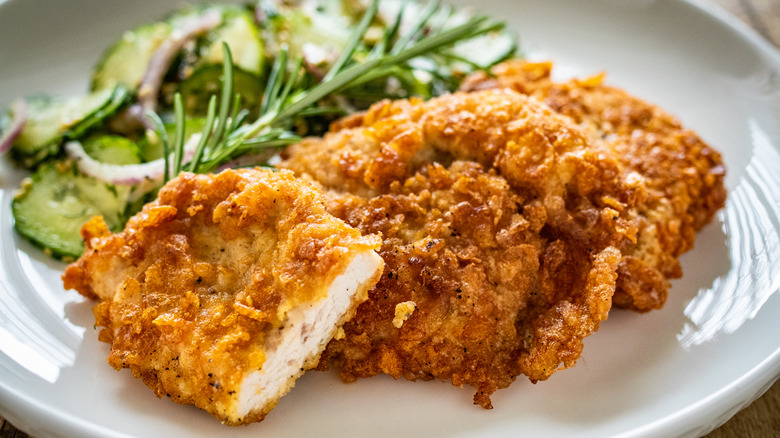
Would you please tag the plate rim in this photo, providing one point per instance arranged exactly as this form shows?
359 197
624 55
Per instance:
18 408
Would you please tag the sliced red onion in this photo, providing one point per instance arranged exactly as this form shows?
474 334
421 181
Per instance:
260 14
164 55
316 59
127 174
19 110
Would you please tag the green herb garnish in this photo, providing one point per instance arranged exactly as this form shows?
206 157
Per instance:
288 96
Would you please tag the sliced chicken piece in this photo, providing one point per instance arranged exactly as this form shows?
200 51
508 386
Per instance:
226 288
501 223
679 178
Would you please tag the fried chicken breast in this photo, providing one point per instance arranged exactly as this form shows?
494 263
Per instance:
222 291
500 221
681 176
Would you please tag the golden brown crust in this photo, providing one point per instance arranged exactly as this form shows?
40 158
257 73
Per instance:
194 284
681 176
500 222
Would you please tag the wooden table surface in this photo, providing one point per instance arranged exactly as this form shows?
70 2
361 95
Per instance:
762 418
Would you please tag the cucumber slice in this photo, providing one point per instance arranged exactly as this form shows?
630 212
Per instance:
325 24
50 120
112 149
206 82
241 34
56 201
126 60
486 51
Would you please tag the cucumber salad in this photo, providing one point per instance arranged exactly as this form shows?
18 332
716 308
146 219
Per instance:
215 86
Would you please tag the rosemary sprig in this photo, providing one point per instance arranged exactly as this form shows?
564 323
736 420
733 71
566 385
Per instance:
163 138
178 144
354 40
225 137
198 154
417 27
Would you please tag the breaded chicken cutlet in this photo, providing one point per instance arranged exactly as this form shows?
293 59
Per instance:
501 222
682 177
222 291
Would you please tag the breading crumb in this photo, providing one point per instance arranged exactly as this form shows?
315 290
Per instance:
402 312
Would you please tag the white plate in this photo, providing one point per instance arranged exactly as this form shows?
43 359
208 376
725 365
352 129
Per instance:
679 371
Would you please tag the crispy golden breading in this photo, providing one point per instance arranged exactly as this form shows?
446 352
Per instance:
682 177
200 289
500 223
